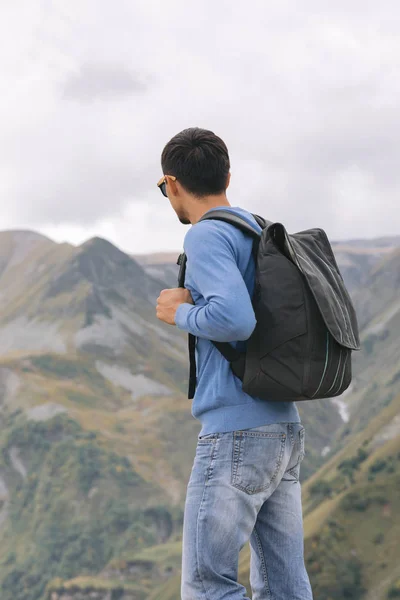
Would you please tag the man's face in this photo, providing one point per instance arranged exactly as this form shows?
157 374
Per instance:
179 200
178 206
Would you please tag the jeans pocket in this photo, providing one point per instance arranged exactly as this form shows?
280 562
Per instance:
257 457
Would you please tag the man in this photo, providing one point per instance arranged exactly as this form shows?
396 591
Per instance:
244 484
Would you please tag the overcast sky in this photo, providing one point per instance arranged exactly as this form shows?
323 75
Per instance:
306 96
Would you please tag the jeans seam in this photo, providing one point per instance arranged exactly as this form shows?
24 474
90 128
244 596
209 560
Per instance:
198 520
290 429
263 563
237 442
293 470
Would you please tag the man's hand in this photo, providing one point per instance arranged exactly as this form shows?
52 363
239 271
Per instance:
168 302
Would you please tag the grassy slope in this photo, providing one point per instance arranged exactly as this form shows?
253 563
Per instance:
144 431
77 505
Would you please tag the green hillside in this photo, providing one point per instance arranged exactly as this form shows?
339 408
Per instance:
97 440
72 507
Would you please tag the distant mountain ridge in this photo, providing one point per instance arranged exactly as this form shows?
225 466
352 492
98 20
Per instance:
96 436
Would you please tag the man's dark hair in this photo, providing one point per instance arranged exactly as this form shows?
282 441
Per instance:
199 160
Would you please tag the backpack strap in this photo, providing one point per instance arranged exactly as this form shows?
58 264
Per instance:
263 223
239 222
191 338
235 357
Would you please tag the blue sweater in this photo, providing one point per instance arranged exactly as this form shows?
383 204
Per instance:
220 276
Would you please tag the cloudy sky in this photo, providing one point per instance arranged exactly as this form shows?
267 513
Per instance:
307 99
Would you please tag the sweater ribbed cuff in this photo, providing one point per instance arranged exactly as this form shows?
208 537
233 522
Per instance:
182 314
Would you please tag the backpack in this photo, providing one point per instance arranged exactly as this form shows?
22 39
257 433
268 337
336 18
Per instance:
306 326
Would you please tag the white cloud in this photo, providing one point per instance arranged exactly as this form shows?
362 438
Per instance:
305 99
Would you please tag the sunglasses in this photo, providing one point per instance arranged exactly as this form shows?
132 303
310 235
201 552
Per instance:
162 184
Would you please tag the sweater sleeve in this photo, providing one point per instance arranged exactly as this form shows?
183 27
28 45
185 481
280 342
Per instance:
228 313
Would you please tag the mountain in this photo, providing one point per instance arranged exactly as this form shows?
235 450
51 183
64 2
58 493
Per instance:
96 438
356 258
162 265
91 394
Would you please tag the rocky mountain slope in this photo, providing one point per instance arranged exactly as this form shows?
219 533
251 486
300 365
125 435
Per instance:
96 437
91 391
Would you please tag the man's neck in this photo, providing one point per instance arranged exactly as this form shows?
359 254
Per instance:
200 208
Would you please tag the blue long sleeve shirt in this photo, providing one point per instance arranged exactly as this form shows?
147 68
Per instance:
220 274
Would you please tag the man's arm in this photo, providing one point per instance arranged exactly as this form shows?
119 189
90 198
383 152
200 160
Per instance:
228 314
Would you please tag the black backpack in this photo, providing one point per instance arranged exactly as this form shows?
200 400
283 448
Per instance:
306 325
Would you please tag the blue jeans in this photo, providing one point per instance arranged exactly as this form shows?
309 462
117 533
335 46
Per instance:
245 486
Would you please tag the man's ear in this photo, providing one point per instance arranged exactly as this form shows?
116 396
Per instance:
173 186
228 180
